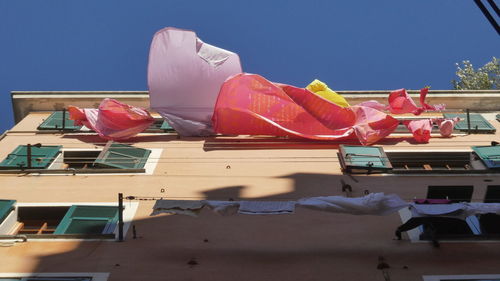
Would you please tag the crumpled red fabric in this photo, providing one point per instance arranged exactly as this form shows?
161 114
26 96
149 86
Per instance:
400 102
113 120
248 104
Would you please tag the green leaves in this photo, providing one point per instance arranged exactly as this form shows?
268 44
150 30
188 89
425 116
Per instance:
486 77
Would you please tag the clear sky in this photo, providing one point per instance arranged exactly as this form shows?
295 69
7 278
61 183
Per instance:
351 45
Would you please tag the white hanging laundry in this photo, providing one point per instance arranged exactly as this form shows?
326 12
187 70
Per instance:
371 204
179 207
224 208
266 207
482 208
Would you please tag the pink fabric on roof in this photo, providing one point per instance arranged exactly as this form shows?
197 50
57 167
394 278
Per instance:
250 104
113 120
421 129
446 125
400 102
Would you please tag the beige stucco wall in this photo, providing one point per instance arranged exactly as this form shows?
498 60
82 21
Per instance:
308 245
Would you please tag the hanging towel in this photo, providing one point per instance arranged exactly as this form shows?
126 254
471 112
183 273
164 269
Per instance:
266 207
179 207
371 204
224 208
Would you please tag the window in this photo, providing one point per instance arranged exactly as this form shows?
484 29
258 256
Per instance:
60 276
455 193
68 221
490 155
88 220
478 277
373 159
48 279
113 158
39 156
474 227
363 159
76 219
478 124
159 126
55 121
6 207
122 156
490 223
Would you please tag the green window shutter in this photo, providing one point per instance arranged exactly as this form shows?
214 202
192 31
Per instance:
55 122
477 123
490 155
41 157
160 125
117 155
6 206
166 127
363 158
55 279
88 220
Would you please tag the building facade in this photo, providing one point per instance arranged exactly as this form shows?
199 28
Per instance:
60 217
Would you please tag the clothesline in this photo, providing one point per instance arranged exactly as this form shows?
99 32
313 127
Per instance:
371 204
147 198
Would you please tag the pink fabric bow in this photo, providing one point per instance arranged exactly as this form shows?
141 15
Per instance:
400 102
113 120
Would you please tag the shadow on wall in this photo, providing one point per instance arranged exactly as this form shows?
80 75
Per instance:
308 245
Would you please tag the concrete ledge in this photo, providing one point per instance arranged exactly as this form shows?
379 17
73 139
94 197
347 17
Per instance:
24 102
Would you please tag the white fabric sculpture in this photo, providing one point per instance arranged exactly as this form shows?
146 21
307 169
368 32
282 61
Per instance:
184 79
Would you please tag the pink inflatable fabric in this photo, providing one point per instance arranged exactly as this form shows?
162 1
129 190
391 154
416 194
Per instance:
184 78
400 102
250 104
113 120
421 129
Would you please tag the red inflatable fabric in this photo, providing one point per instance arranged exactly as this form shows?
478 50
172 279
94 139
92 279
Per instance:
400 102
248 104
421 129
113 120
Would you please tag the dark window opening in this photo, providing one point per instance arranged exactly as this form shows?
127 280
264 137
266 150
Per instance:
39 220
80 159
454 193
443 161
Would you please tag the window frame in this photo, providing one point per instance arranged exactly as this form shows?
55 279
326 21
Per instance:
475 165
69 218
69 125
94 276
49 153
486 157
475 118
129 211
469 277
350 167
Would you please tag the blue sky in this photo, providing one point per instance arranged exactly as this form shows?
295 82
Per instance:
351 45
